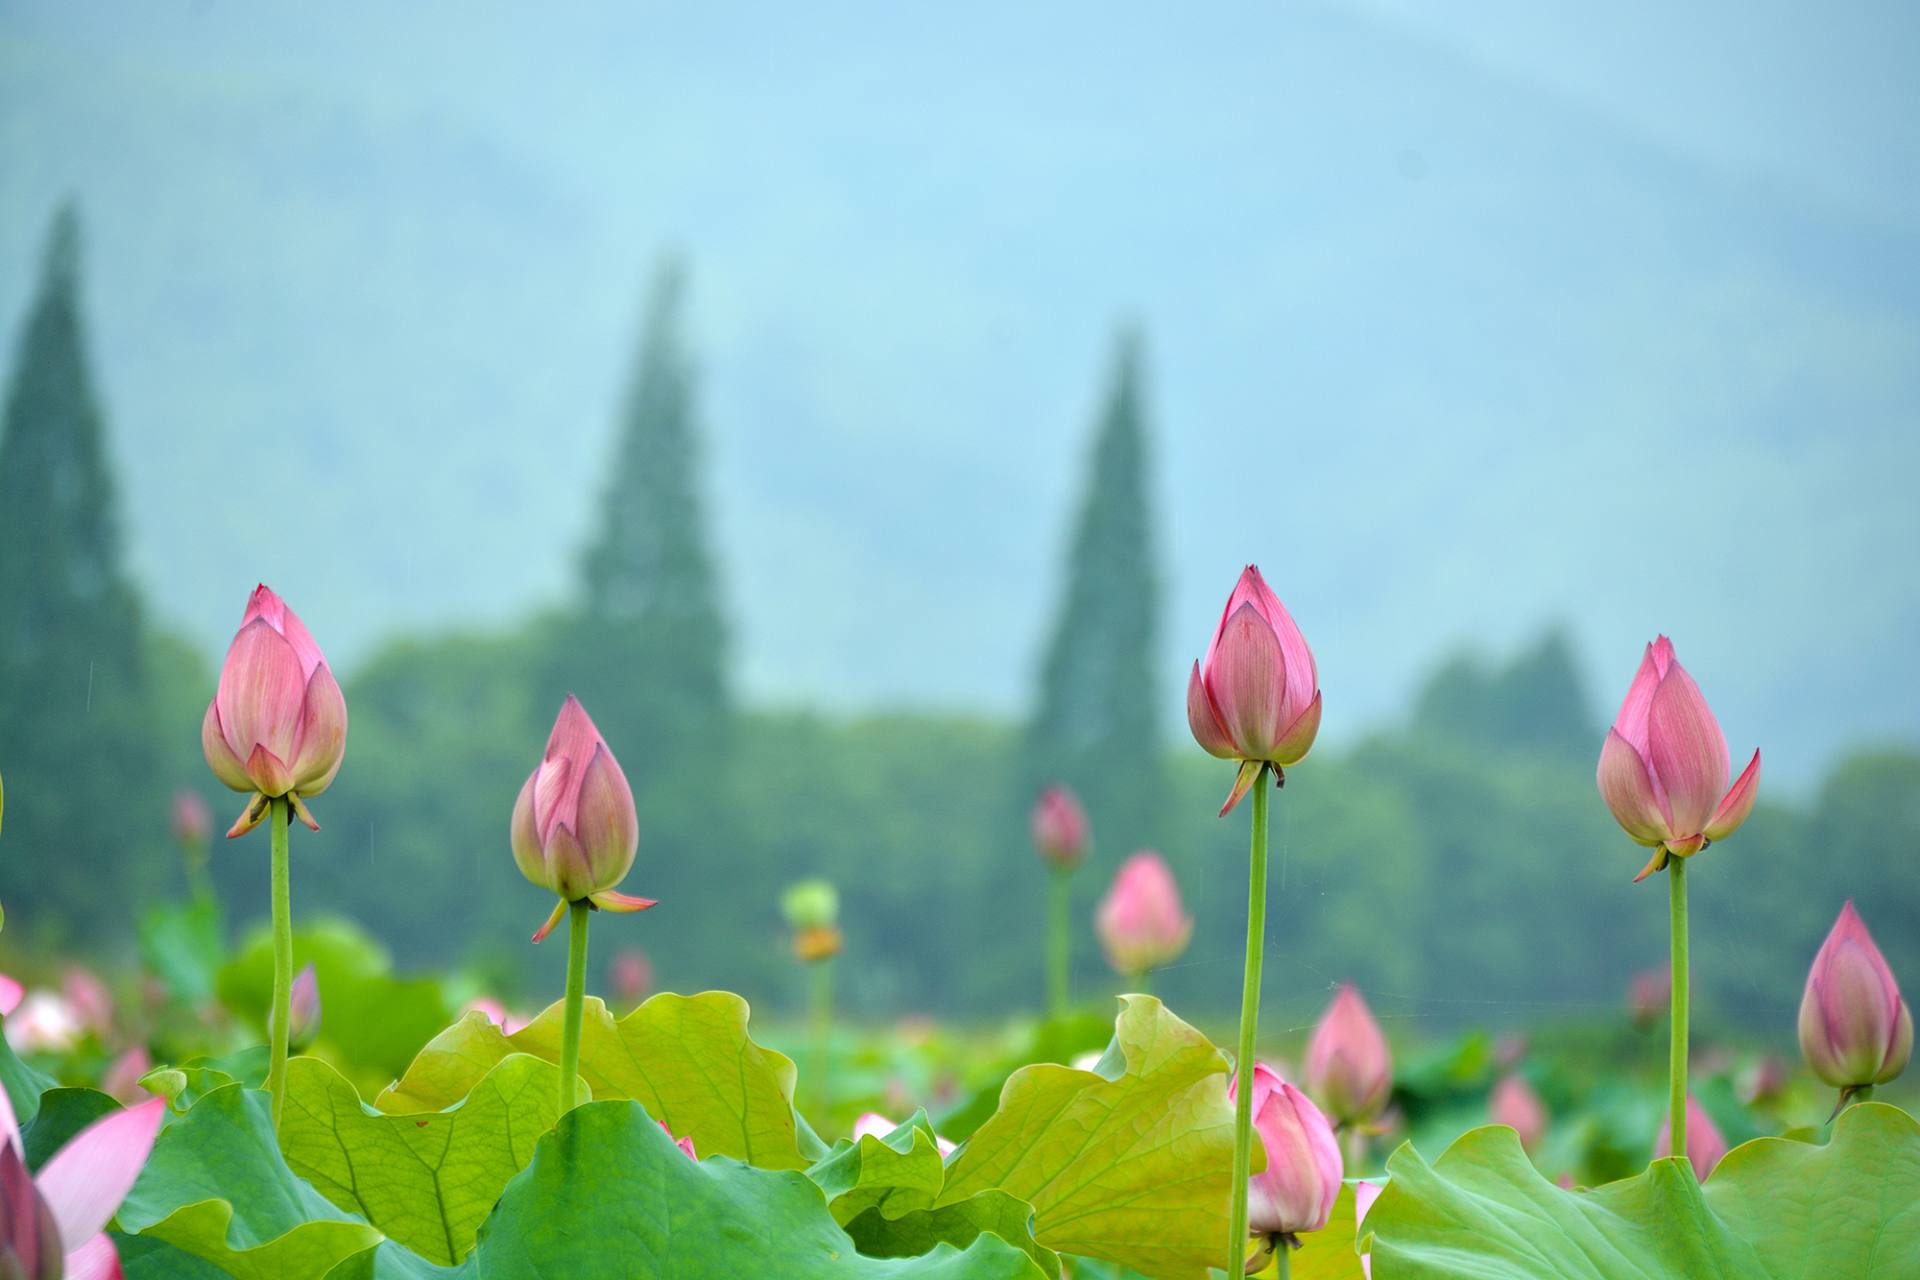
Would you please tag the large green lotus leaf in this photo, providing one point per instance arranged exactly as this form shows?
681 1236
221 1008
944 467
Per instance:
918 1231
23 1084
687 1059
149 1258
897 1174
1483 1211
427 1181
675 1219
216 1187
882 1189
1131 1165
371 1018
1849 1208
63 1113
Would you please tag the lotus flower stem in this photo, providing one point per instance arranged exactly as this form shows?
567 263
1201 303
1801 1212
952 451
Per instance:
1249 1024
1677 1054
821 1011
281 1021
576 1001
1059 940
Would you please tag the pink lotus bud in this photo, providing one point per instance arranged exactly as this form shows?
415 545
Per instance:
87 999
277 725
1705 1146
1349 1066
574 826
11 993
122 1078
1255 697
303 1010
1648 993
685 1144
1515 1104
1296 1191
630 977
1061 832
1140 922
1855 1029
1664 766
192 819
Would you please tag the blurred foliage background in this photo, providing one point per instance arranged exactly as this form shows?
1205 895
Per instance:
1457 863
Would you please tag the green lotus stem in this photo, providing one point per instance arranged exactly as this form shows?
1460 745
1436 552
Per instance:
576 1002
280 1020
1283 1262
1059 941
820 1011
1249 1023
1677 1053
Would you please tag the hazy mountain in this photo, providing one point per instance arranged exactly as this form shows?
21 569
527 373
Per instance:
1451 341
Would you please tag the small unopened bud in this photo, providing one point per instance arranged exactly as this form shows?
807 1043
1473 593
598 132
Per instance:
303 1018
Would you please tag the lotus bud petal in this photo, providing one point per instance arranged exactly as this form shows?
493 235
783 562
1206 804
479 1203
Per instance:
1349 1067
1255 697
1856 1029
1664 764
303 1017
30 1246
1296 1191
1061 833
574 828
277 724
1705 1146
1515 1104
1140 922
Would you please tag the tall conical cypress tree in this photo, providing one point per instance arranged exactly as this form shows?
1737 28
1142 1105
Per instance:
75 736
651 657
1096 725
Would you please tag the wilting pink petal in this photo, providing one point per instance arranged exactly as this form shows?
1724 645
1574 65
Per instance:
1061 833
1349 1067
88 1178
1705 1146
1297 1189
1855 1027
1737 804
1140 921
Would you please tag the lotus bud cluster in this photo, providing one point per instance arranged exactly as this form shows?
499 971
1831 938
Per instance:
1856 1030
1664 766
1255 697
1140 921
277 725
574 827
1061 832
1349 1067
1295 1192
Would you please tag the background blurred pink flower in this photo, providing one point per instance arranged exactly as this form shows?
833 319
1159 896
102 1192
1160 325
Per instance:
1140 921
1855 1028
1061 833
1705 1146
1349 1066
